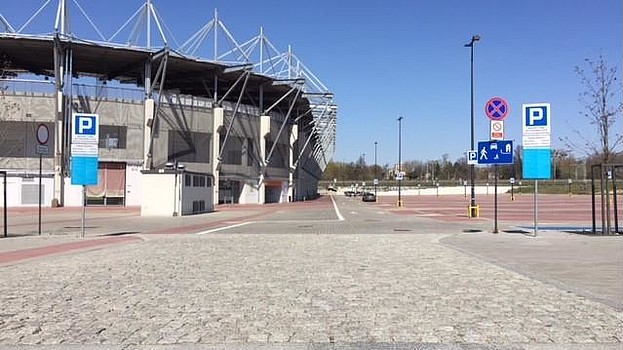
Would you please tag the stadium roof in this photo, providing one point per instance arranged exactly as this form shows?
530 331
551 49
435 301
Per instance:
104 60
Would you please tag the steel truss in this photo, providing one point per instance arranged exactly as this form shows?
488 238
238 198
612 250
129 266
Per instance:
258 55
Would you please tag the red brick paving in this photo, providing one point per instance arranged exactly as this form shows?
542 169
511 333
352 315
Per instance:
552 208
17 255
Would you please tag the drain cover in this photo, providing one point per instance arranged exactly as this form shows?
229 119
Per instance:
402 230
472 230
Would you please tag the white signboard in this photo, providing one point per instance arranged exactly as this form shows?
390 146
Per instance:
537 125
497 130
42 149
84 149
472 157
85 128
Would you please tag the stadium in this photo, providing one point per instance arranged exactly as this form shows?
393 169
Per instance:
177 133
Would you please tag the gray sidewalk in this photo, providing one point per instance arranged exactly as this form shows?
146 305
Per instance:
299 278
589 265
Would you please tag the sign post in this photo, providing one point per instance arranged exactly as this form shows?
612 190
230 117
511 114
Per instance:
497 109
537 154
495 152
84 154
43 135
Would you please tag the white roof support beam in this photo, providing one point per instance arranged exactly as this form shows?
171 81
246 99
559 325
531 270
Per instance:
244 76
58 15
234 114
283 125
295 86
7 26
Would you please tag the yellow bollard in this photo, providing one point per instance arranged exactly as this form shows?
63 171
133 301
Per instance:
471 210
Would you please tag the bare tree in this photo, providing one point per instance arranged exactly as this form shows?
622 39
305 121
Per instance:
603 107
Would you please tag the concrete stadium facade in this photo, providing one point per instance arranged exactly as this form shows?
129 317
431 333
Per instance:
246 133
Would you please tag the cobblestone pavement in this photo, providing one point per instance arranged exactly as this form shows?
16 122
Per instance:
309 284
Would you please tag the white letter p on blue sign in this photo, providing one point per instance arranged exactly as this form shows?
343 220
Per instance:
85 128
536 115
85 124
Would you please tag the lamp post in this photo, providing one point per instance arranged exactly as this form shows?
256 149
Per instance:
376 178
399 177
472 172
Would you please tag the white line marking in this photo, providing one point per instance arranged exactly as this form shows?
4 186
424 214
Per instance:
337 211
224 228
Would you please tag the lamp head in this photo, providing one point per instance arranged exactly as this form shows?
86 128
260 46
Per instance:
475 38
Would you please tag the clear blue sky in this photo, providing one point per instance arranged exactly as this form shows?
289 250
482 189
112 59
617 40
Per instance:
385 59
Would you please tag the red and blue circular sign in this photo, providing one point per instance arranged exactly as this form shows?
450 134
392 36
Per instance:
497 108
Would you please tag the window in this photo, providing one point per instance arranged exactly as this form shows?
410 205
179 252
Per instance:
189 147
280 156
232 149
112 136
251 157
199 181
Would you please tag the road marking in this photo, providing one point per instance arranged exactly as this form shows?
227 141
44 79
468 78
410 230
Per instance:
225 228
337 211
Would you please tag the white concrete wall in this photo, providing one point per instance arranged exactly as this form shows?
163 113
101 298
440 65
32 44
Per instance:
249 193
158 198
14 191
264 131
133 185
218 115
285 192
73 194
191 194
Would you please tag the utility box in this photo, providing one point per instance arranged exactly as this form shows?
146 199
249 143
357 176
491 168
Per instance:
170 192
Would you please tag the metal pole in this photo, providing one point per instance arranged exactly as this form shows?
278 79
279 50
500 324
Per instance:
376 178
607 187
614 197
593 198
5 205
536 207
495 201
84 204
603 198
40 165
472 167
399 159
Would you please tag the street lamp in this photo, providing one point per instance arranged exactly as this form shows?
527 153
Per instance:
473 211
399 177
376 178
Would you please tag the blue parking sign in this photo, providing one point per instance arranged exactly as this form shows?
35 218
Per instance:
536 115
85 128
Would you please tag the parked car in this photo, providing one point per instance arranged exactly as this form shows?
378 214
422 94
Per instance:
349 193
331 188
368 197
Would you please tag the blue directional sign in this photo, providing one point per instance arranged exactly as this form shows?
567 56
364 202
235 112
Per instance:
495 152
